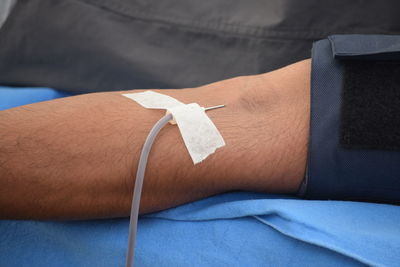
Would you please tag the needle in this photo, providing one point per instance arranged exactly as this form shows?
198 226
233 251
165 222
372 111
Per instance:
214 107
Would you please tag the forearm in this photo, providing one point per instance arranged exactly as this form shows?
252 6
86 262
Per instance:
77 157
63 157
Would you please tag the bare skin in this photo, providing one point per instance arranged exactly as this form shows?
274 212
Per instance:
76 157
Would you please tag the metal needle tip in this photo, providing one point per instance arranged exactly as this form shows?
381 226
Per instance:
214 107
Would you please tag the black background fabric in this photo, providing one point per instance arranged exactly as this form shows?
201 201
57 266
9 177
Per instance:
370 105
102 45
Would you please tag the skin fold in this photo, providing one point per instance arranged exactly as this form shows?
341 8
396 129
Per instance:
76 157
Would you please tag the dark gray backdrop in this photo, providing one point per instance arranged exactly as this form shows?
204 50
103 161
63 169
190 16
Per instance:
100 45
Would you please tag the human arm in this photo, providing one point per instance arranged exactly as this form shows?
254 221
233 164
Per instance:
76 157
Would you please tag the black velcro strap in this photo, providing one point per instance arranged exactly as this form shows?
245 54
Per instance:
370 111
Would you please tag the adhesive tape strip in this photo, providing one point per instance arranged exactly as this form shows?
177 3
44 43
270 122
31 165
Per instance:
150 99
199 133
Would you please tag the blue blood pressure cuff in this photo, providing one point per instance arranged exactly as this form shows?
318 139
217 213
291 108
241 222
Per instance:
354 148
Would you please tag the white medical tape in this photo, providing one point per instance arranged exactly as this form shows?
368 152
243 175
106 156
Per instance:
150 99
199 133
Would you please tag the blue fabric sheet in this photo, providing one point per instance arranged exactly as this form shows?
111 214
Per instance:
13 97
234 229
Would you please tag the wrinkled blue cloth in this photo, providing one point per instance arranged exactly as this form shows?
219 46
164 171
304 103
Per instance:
234 229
